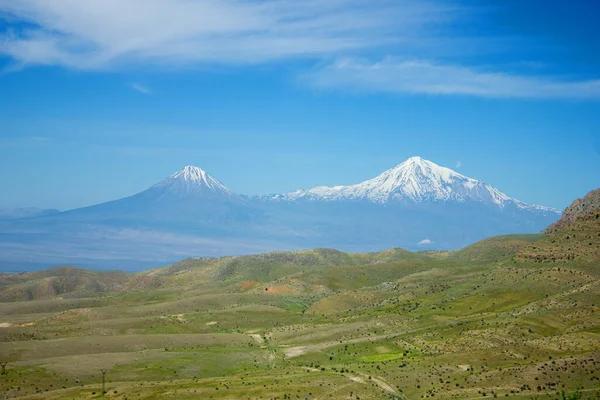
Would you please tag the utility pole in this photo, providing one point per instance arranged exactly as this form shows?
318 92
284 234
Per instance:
104 371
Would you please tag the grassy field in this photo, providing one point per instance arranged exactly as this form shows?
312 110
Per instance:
473 324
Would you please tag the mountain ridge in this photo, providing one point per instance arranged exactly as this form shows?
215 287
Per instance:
581 206
574 237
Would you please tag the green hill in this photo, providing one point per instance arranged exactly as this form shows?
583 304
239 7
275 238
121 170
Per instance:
495 249
60 282
486 321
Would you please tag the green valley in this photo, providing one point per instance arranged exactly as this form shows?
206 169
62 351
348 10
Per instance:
495 319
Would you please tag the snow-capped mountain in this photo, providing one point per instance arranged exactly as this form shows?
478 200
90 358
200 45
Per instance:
415 180
190 197
415 205
192 181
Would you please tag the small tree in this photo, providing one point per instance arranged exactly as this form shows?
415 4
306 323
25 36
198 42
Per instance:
8 356
570 396
104 371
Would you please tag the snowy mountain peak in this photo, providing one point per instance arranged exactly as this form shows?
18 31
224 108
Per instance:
415 180
194 180
193 174
415 160
419 170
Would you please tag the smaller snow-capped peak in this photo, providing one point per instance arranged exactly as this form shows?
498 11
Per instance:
191 173
192 180
198 176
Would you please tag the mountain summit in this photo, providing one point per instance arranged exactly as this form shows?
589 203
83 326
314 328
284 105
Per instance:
193 181
415 180
190 197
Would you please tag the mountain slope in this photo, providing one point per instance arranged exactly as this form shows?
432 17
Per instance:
193 182
580 207
576 236
191 185
29 212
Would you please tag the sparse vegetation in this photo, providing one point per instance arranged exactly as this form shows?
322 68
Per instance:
483 322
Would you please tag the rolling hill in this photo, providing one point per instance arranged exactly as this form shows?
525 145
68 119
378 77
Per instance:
480 322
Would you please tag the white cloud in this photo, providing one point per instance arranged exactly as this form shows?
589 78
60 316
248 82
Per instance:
110 34
140 88
458 164
92 34
425 242
398 76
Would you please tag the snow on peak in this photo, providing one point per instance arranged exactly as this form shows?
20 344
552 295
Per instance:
414 180
192 179
192 174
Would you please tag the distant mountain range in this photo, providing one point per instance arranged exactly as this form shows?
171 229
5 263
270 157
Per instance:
415 205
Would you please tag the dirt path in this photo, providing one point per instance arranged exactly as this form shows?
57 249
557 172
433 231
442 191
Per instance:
290 352
257 337
364 379
328 395
381 383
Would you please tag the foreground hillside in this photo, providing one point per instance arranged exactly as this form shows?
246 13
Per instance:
317 324
487 321
576 236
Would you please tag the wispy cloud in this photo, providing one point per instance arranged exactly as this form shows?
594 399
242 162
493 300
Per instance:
458 164
417 36
425 242
398 76
140 88
90 34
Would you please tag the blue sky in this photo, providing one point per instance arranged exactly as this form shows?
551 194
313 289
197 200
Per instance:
99 100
